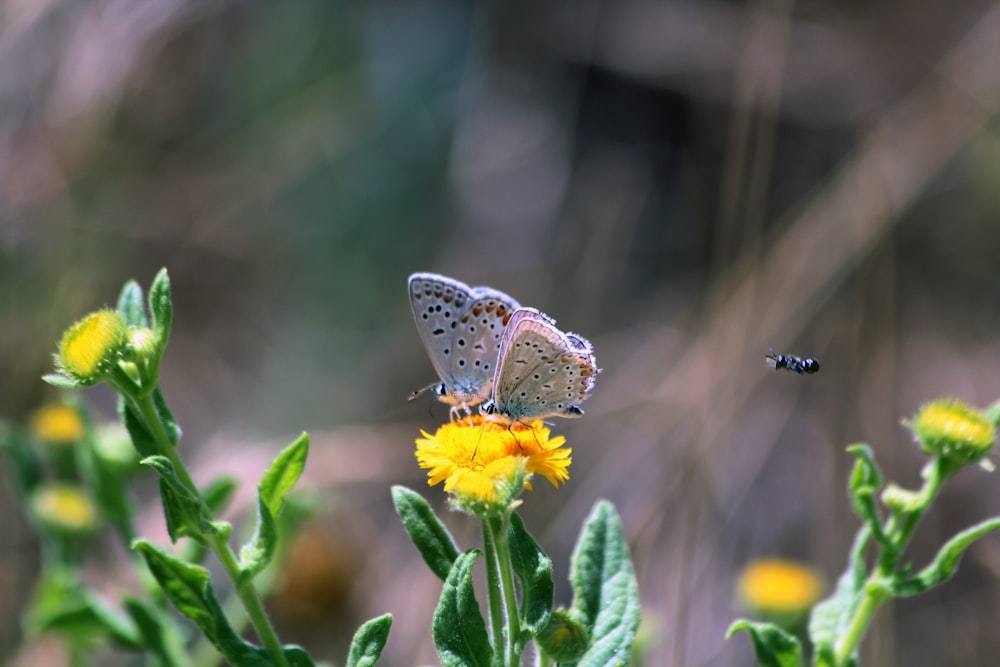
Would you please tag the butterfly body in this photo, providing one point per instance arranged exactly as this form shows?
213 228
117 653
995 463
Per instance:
461 328
541 371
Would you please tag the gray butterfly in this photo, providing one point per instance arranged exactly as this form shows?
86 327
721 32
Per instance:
541 371
460 327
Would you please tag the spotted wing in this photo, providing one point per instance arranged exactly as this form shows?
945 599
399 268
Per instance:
460 327
541 371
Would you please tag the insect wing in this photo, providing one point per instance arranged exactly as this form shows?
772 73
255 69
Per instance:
541 371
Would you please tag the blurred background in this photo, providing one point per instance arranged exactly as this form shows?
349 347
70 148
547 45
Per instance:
686 183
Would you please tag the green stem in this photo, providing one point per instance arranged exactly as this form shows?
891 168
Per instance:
500 527
858 627
493 594
244 589
899 530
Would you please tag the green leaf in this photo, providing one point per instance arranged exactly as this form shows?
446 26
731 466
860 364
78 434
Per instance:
278 480
159 636
945 563
185 514
429 535
282 474
166 417
368 642
606 593
258 552
130 305
534 569
63 381
189 589
161 307
773 646
142 439
459 629
108 486
830 618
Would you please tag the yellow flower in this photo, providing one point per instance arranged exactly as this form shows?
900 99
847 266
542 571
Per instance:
951 428
484 464
90 347
779 589
64 508
57 423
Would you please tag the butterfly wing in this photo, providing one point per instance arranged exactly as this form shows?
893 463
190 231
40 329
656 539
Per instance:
460 327
541 371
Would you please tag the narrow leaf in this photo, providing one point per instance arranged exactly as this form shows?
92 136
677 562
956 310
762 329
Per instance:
459 629
161 307
183 510
219 492
773 646
282 474
131 306
429 535
534 569
258 552
189 589
368 642
170 424
946 562
606 592
62 381
142 439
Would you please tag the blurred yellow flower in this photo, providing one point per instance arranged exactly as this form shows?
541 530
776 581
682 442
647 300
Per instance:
90 347
779 588
64 508
483 462
57 423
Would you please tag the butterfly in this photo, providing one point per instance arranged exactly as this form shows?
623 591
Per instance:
540 370
460 327
792 363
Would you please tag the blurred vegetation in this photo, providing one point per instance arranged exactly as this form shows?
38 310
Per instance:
685 183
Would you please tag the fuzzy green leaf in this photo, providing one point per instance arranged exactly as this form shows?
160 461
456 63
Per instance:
63 381
459 629
166 417
161 307
429 535
534 569
131 306
606 593
258 552
142 439
219 492
945 563
773 646
368 642
830 618
189 588
184 511
282 474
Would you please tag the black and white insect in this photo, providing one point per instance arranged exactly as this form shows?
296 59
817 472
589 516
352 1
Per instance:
792 363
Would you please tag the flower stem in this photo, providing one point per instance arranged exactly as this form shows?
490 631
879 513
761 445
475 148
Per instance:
859 625
494 593
500 527
146 408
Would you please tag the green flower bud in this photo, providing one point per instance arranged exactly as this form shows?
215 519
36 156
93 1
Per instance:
563 638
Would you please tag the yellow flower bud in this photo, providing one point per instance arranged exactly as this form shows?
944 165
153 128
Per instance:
779 589
90 348
64 508
952 429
